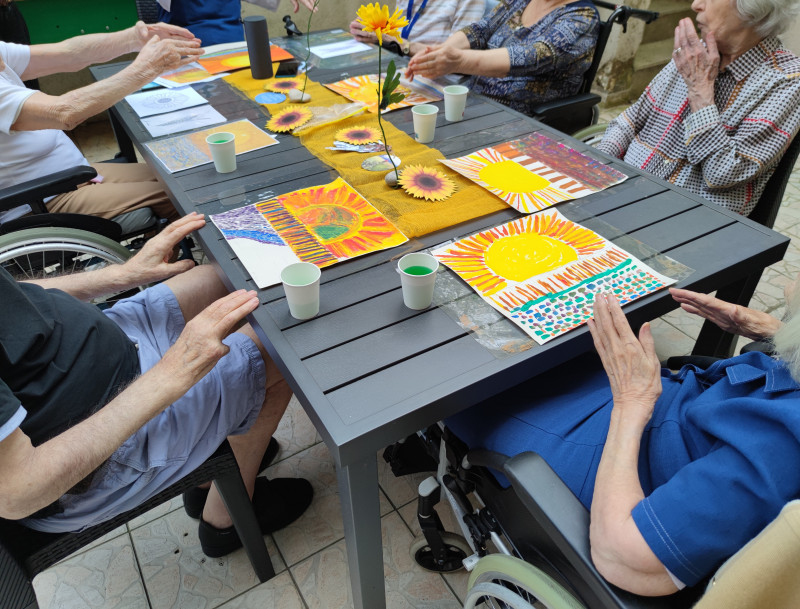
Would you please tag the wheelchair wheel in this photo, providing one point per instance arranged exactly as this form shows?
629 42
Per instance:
457 550
37 253
505 581
591 135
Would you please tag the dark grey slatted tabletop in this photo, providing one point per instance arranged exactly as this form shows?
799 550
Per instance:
369 371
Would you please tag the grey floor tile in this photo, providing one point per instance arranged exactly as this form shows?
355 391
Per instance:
669 340
278 593
295 432
104 577
157 512
323 579
178 575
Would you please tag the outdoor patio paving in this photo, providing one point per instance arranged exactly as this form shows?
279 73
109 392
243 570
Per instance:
155 562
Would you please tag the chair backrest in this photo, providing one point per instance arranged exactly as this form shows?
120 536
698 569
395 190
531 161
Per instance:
766 210
147 10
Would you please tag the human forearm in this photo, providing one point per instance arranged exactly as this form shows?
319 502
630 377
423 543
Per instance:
85 286
493 63
618 549
76 53
34 477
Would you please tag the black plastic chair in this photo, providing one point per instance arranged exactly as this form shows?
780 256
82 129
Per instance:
24 552
580 110
712 340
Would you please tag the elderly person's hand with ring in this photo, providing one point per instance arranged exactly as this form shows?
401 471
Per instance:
697 63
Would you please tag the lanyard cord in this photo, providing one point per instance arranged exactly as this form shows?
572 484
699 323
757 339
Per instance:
411 21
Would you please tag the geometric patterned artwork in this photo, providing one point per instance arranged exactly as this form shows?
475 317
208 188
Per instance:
543 271
589 172
365 89
322 225
160 101
526 188
184 151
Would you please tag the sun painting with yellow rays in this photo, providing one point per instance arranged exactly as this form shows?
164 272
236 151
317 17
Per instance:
365 89
523 189
361 134
282 85
544 270
329 223
289 118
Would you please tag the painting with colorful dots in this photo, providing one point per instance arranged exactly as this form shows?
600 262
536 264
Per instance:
322 225
543 271
526 188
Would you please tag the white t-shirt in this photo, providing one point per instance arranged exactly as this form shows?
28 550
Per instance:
25 155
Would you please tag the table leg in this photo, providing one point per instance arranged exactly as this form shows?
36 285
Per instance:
358 490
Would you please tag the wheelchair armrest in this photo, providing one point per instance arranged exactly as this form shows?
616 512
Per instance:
35 190
581 100
677 362
764 346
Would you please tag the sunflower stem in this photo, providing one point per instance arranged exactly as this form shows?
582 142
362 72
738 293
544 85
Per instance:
308 46
380 122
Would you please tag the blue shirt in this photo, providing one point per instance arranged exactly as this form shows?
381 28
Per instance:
212 21
718 459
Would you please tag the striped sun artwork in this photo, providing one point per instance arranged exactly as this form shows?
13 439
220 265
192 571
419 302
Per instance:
526 188
543 271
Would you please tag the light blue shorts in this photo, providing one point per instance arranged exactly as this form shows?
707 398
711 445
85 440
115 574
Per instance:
174 443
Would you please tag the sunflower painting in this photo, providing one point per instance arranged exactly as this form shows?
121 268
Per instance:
282 85
426 183
521 187
545 270
362 134
289 118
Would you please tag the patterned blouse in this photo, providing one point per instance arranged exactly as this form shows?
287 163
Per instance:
548 59
725 152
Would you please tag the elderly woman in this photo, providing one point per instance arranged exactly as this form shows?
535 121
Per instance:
523 53
679 470
718 118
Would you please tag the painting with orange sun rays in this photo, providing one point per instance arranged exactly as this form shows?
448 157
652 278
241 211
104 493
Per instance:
365 89
543 271
525 188
322 225
236 59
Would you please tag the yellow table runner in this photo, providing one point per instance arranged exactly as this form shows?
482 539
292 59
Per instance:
414 217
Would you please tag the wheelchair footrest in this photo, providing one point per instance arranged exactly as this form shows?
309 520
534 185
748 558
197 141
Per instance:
409 457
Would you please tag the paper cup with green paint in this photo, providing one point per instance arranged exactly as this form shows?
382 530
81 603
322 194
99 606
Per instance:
301 284
424 122
223 151
418 278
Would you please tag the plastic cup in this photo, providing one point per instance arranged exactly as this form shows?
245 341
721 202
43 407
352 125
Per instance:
455 100
301 284
424 122
223 151
418 278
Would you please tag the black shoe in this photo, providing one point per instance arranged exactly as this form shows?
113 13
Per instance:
277 503
194 500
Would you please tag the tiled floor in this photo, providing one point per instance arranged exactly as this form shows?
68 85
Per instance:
155 562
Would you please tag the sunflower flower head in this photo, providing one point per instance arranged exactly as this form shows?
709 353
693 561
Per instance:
376 18
426 183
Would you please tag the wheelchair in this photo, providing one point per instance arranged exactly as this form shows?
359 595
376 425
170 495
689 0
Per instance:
526 546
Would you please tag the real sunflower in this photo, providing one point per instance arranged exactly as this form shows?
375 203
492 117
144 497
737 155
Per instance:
426 183
289 118
376 18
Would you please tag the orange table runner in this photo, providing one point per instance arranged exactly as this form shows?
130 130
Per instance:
414 217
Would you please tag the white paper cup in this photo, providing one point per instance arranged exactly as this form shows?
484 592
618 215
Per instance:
417 288
455 100
301 284
424 122
223 151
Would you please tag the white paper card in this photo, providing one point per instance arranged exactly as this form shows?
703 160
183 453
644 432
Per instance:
334 49
182 120
149 103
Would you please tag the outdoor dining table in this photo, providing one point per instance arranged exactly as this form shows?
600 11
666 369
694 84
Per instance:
369 371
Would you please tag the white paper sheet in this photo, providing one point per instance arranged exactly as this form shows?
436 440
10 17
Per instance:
182 120
149 103
334 49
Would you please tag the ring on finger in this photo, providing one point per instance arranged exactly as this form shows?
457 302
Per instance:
676 51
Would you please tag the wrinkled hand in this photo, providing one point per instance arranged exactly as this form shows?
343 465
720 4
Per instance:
434 61
200 346
152 263
632 365
697 63
357 32
309 4
145 31
159 56
730 317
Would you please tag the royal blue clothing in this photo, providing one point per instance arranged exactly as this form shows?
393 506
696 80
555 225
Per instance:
718 460
212 21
